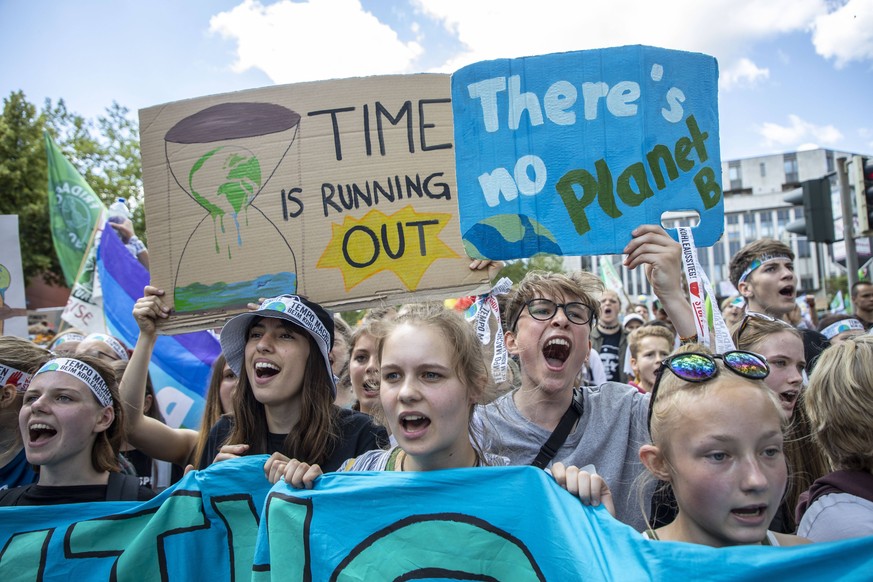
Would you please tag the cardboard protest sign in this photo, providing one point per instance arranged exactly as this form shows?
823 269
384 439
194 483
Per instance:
13 308
568 153
341 190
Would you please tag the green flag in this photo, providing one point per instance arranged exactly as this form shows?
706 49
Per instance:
612 281
74 209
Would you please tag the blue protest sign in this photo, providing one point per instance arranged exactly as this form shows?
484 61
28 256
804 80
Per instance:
568 153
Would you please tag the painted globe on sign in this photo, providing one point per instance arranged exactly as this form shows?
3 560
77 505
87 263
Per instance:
509 236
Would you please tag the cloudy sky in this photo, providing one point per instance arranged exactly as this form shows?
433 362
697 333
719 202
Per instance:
794 74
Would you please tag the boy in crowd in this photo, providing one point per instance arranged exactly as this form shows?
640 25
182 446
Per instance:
550 318
763 273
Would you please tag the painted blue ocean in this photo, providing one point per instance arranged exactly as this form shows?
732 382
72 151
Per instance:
198 297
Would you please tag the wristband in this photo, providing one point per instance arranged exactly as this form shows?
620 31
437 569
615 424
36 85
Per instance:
691 339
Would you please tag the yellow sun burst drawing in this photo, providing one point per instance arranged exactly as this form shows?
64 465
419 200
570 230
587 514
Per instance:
405 243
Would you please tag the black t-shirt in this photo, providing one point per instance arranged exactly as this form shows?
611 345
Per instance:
144 466
357 434
610 357
61 494
814 344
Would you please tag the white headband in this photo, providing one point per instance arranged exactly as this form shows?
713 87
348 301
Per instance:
83 372
67 337
15 377
113 343
758 262
839 327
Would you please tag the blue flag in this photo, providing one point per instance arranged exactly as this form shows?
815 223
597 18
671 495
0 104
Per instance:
181 364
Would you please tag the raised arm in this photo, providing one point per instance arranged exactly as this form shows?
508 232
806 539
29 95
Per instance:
653 247
152 437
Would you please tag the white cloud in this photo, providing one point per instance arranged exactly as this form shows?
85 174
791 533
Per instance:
743 72
726 29
846 34
799 134
319 39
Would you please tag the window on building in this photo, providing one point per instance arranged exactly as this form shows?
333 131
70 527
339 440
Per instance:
733 242
718 253
790 163
766 219
749 226
763 167
829 158
807 284
783 217
736 176
803 247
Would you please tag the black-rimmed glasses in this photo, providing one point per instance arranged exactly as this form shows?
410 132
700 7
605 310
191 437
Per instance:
697 367
545 309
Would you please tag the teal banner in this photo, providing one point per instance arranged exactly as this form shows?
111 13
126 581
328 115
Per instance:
498 523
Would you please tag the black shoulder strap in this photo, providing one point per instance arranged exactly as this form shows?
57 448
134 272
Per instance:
13 495
122 487
559 435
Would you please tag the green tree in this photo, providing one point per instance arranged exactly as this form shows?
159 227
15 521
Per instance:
105 152
516 270
23 184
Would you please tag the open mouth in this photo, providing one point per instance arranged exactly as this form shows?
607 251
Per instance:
751 511
414 422
556 351
787 291
266 369
371 387
40 432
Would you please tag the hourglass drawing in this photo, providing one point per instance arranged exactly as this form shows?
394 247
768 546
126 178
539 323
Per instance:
222 157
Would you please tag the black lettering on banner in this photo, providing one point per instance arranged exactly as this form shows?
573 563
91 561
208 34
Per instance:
347 201
370 193
422 125
368 146
375 239
401 242
421 224
372 236
336 133
289 197
405 111
327 193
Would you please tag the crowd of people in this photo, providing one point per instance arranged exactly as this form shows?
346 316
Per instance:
770 442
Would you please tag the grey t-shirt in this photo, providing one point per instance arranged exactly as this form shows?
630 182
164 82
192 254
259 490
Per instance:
837 516
609 436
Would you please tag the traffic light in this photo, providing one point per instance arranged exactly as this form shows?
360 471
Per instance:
863 170
817 223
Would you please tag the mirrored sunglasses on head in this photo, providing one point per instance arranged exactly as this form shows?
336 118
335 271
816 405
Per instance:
698 367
